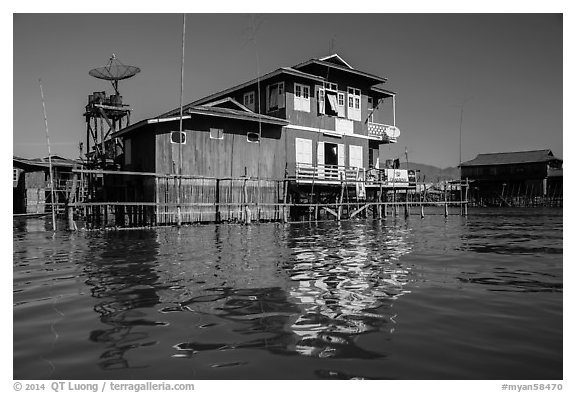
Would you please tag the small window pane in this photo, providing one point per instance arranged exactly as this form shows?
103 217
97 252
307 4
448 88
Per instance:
298 90
178 137
216 133
306 92
253 137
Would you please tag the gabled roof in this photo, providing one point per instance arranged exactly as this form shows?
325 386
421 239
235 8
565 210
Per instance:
521 157
57 161
336 62
212 109
224 93
336 59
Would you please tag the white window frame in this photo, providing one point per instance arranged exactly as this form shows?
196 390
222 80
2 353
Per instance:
354 104
253 141
177 143
220 131
301 97
354 158
303 149
320 98
249 100
280 100
341 107
331 86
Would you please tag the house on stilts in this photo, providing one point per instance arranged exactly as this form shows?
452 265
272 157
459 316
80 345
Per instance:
307 135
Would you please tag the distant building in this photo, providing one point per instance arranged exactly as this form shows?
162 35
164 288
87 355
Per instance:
505 176
31 183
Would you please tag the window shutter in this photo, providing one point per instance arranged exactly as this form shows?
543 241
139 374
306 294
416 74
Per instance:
341 155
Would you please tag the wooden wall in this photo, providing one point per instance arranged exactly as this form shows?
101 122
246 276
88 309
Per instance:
232 156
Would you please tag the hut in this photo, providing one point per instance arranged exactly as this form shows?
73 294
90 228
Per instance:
31 183
514 178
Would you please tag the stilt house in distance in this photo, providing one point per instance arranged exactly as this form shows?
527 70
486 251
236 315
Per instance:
536 173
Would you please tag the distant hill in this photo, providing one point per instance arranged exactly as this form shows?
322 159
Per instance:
433 174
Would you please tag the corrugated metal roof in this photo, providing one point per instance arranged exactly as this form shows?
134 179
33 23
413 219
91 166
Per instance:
520 157
57 161
236 114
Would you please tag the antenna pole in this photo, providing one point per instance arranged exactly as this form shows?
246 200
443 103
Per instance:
461 117
179 208
49 157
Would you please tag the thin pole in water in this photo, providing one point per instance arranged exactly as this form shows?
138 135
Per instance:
49 157
179 208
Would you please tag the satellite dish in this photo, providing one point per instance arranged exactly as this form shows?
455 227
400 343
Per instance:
114 71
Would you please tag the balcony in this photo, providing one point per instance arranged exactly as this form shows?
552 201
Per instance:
384 132
334 174
327 174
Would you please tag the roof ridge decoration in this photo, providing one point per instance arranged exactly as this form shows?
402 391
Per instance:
337 57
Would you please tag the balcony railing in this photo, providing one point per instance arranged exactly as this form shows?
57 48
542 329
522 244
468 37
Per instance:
385 132
332 174
328 173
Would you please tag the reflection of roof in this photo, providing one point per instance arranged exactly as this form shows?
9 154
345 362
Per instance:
57 161
521 157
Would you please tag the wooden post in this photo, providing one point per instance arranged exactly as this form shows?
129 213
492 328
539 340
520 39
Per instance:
341 197
379 202
466 199
445 200
71 199
247 218
284 210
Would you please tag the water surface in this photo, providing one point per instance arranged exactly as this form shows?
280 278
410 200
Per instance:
477 297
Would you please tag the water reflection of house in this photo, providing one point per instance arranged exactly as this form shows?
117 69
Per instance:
124 281
346 292
504 176
31 183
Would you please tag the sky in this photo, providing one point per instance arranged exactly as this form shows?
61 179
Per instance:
496 77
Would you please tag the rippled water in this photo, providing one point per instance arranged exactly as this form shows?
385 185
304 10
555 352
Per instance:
434 298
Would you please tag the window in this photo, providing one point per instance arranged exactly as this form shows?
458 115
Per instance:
249 100
178 137
303 151
14 174
216 133
354 104
275 96
301 97
356 158
341 105
320 96
330 86
253 137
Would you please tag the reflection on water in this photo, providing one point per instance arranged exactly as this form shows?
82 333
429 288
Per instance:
369 299
346 287
123 280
